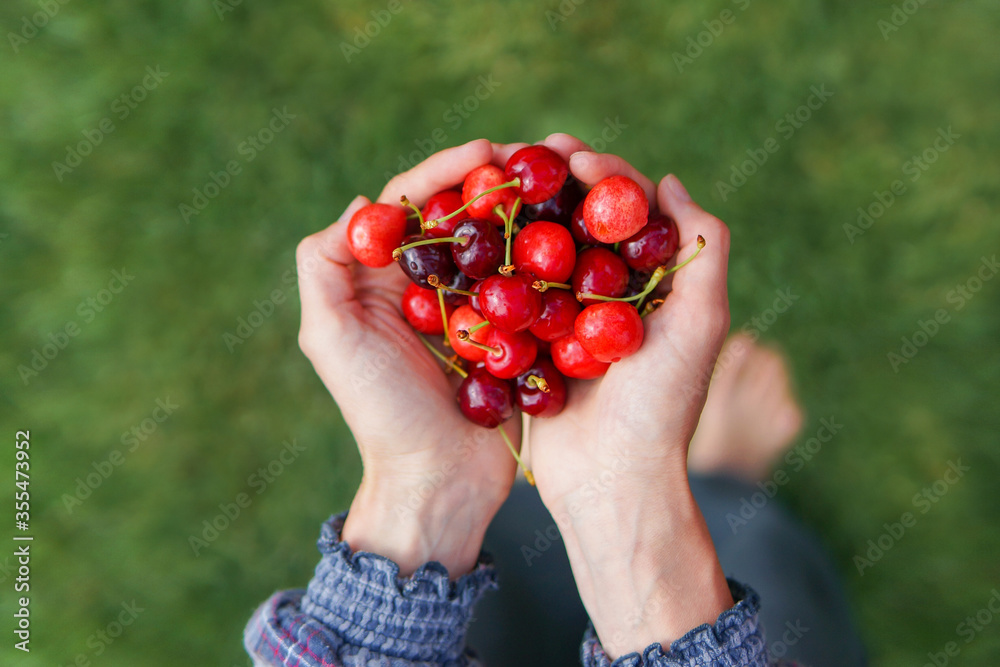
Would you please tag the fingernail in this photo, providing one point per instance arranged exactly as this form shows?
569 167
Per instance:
677 188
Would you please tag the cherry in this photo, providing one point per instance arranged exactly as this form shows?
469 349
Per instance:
574 361
540 172
420 261
483 253
653 245
484 399
510 303
374 231
559 311
615 209
474 300
479 180
463 319
599 271
517 352
459 282
541 390
443 204
609 331
560 207
545 249
578 228
422 309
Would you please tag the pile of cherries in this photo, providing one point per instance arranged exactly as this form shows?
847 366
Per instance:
530 279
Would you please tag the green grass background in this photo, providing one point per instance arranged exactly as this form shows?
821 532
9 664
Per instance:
162 337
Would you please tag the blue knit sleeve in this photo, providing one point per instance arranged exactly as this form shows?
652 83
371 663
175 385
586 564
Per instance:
357 610
734 641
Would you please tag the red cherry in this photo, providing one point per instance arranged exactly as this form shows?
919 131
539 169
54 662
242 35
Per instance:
578 228
532 399
474 300
517 352
481 179
574 361
374 231
422 310
609 331
546 250
560 208
463 319
484 399
653 245
440 205
510 303
559 311
483 252
600 271
541 171
615 209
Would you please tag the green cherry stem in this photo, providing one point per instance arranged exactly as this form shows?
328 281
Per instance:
539 383
517 457
542 285
512 184
473 329
448 362
420 216
397 254
444 315
464 336
434 281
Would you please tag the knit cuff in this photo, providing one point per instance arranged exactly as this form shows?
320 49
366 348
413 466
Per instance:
734 640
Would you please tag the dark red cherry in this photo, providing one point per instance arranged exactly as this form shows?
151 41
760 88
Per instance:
546 250
541 171
559 311
559 208
574 361
653 245
615 209
599 271
421 261
474 300
374 232
485 399
483 253
510 302
463 319
609 331
517 352
529 396
462 282
440 205
578 228
422 310
481 179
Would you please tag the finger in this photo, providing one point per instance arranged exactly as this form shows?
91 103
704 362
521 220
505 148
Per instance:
590 168
440 171
565 144
502 152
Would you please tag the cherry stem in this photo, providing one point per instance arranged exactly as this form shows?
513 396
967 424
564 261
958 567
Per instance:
645 292
464 336
473 329
397 254
448 362
654 280
508 223
444 315
539 383
434 281
517 457
542 285
420 216
650 307
513 184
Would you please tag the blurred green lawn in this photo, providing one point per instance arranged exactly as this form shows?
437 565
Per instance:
162 337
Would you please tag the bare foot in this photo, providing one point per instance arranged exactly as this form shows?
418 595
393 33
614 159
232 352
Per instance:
750 415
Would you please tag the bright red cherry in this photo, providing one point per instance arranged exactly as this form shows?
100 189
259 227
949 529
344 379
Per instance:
517 352
422 310
578 228
483 253
559 311
546 250
440 205
610 331
484 399
540 170
615 209
560 208
374 232
481 179
653 245
510 303
599 271
574 361
463 319
541 390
